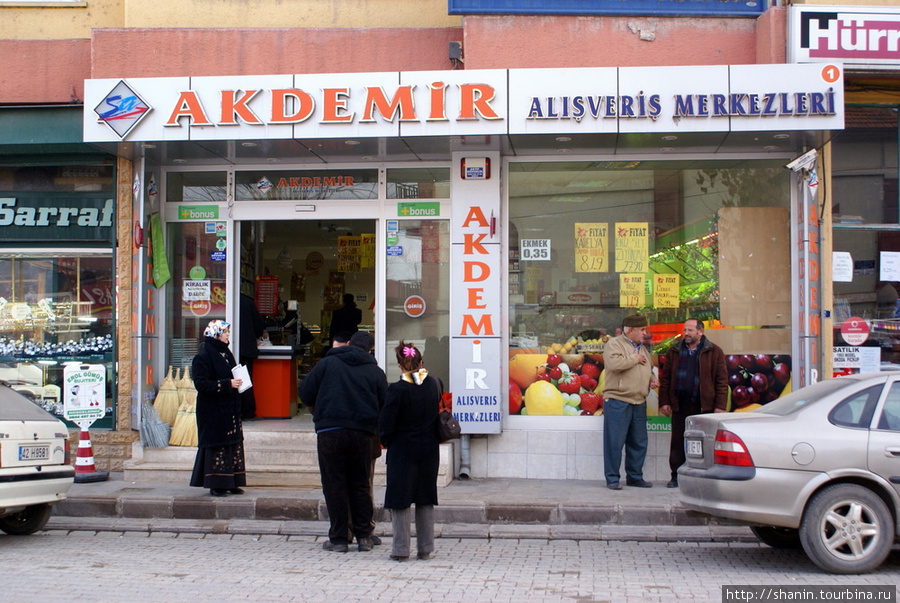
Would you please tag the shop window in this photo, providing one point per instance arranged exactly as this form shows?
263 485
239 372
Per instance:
56 311
591 242
418 183
197 292
274 185
866 267
417 294
195 187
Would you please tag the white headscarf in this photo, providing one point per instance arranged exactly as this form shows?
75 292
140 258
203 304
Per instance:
216 328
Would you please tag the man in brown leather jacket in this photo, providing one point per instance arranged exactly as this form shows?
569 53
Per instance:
692 380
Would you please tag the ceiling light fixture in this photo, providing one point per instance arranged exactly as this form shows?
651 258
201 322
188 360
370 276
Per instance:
351 143
179 161
249 144
670 137
563 139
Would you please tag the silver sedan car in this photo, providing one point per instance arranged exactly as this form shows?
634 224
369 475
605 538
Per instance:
818 468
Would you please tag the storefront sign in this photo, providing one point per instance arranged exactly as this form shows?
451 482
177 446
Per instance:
218 256
534 249
27 218
864 360
474 102
855 330
853 35
198 212
475 306
421 209
395 250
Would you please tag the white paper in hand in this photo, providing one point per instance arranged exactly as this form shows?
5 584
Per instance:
241 372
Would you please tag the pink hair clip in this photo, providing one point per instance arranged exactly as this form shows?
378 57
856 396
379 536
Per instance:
409 351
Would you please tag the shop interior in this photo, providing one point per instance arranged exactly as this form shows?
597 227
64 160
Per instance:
297 273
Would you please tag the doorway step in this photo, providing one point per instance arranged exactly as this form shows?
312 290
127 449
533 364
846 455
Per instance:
278 454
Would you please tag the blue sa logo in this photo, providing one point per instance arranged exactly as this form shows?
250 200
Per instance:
122 109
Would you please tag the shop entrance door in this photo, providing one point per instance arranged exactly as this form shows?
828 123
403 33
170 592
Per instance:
296 274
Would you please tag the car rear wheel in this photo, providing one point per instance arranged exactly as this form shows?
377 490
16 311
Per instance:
847 529
778 538
26 522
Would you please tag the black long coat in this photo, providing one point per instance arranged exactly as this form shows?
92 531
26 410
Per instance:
218 404
407 427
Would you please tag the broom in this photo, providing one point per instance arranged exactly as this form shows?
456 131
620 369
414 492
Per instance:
184 432
167 402
154 431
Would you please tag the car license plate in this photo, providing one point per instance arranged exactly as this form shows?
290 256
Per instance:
694 448
34 453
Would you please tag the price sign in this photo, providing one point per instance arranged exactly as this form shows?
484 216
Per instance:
631 247
535 249
631 290
84 393
591 246
665 291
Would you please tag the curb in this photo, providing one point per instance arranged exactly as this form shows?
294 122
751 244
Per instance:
319 529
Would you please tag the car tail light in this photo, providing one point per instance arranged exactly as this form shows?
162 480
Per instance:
730 450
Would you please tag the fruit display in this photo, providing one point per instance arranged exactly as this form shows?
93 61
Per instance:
757 379
556 384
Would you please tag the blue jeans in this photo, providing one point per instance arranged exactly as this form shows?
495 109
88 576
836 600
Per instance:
625 425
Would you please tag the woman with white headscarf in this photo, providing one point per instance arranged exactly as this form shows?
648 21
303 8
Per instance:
220 453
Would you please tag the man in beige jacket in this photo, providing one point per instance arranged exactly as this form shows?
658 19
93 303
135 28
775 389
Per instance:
628 380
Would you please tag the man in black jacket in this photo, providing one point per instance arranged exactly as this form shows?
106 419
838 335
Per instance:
345 392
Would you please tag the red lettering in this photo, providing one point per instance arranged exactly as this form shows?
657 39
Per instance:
476 98
295 182
149 376
813 298
815 325
234 107
438 95
469 269
149 299
813 215
188 105
813 270
814 242
483 327
335 106
475 299
402 101
475 215
282 183
472 245
305 106
150 325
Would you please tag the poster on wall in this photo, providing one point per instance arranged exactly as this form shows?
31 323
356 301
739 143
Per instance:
367 250
266 294
349 254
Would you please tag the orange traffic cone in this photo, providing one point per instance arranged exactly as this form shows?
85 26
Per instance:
85 470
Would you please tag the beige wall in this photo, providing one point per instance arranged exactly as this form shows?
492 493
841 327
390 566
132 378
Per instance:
79 19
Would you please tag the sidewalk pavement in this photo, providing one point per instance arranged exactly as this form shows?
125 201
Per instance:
474 508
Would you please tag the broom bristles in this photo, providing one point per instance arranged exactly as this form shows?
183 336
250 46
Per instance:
167 402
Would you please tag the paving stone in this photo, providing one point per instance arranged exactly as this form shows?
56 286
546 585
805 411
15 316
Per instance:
287 508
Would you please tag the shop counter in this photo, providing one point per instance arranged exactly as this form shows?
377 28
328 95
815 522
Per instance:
275 381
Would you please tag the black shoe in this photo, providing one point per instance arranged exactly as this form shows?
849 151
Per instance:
424 556
364 544
218 492
614 486
375 540
236 490
640 484
399 558
335 548
673 483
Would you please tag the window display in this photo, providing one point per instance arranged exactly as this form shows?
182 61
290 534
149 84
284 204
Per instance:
55 311
591 242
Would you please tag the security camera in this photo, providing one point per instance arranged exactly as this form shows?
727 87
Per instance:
804 161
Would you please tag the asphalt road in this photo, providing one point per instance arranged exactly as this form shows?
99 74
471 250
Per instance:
170 567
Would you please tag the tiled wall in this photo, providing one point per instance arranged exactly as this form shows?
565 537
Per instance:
557 455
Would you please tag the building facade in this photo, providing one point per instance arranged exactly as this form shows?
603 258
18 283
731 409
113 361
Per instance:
500 188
